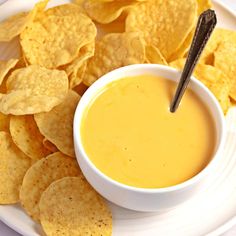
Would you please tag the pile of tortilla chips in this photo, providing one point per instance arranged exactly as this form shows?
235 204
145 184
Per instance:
64 50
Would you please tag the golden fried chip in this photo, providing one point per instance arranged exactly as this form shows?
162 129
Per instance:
4 122
183 49
106 12
76 69
76 78
13 165
40 175
70 206
225 60
57 125
56 40
65 10
161 24
5 67
26 136
203 5
179 63
50 146
219 35
213 78
114 51
153 55
32 90
79 2
15 25
116 26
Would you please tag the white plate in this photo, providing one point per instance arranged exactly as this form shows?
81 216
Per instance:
212 211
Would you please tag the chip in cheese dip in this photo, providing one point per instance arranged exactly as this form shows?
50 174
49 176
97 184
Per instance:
130 135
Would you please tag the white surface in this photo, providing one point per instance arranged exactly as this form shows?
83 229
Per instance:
147 200
210 209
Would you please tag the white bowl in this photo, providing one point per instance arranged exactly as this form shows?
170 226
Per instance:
144 199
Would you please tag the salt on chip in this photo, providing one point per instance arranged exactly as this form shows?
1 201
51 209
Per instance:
27 137
153 55
13 166
32 90
4 122
50 146
70 206
54 40
40 175
165 24
106 12
225 60
114 51
57 125
213 78
5 67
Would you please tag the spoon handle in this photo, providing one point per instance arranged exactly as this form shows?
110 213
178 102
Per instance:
205 25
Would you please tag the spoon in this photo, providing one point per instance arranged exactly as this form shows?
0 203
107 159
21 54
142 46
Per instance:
205 25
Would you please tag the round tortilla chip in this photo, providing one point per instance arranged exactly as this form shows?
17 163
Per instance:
32 90
165 24
224 59
106 12
114 51
154 56
26 136
13 166
40 175
16 24
5 67
76 69
183 49
65 10
116 26
219 35
57 125
70 206
55 40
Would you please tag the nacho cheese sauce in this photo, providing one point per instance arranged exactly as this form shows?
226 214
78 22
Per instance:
129 133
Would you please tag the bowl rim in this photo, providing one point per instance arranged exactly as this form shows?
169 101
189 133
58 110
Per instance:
182 185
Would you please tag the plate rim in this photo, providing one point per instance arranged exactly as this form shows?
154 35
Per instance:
232 221
216 232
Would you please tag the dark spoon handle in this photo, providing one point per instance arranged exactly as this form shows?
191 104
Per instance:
206 23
